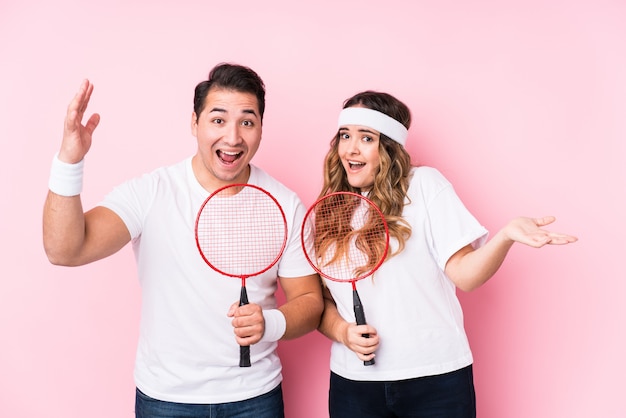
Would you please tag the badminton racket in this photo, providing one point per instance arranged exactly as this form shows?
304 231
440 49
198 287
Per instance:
345 239
241 232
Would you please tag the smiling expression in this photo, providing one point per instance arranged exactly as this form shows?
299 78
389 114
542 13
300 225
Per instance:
228 131
358 150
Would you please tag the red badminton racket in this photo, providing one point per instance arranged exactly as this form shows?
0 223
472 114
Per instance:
345 238
241 232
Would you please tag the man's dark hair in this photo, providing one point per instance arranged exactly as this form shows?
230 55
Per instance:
230 77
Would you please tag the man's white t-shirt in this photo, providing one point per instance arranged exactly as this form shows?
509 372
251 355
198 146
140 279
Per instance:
410 301
187 350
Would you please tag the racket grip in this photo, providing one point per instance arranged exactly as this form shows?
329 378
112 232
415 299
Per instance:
244 350
243 298
244 356
359 314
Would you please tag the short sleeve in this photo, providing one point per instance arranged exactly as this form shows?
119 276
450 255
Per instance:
130 201
451 225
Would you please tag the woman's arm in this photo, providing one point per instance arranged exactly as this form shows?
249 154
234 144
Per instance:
470 268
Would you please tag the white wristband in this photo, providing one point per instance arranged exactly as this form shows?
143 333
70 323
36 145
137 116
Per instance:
66 179
275 325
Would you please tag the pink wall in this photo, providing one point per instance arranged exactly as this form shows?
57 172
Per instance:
521 105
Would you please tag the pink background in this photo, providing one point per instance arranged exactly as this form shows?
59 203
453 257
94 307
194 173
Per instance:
521 104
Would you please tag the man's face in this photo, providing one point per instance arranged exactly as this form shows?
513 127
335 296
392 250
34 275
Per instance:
228 131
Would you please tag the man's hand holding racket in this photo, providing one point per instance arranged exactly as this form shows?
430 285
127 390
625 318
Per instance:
248 323
241 232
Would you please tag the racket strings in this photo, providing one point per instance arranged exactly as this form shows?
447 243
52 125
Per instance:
349 237
241 234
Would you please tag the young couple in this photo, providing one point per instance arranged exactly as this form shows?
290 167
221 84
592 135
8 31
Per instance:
187 359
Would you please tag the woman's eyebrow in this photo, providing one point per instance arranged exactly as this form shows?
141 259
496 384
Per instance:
360 130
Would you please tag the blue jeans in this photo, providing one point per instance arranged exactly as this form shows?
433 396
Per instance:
450 395
268 405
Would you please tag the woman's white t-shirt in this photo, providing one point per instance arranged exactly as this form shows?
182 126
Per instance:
410 301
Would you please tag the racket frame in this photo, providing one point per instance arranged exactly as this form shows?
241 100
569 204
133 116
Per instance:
359 312
244 351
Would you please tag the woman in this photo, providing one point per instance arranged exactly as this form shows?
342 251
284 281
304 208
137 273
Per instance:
423 363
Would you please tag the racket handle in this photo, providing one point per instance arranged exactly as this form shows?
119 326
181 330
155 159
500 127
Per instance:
359 314
244 356
244 350
243 298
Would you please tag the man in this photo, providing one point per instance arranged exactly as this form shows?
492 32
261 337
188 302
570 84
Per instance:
187 357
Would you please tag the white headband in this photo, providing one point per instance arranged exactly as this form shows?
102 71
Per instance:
375 120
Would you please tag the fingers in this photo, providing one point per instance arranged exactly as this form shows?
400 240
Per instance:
561 239
530 231
366 357
363 340
537 240
88 89
232 309
553 238
248 323
76 137
365 348
79 103
546 220
92 123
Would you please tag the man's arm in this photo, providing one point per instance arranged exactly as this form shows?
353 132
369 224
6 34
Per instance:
298 315
304 305
71 237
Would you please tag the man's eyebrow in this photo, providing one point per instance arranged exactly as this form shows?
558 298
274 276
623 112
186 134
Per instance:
252 111
221 110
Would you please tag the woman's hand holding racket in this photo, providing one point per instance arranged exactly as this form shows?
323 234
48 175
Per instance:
345 239
362 339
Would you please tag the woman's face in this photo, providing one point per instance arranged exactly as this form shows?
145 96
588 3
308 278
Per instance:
358 150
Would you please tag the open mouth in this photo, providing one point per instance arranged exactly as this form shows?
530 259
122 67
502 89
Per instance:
228 157
355 165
